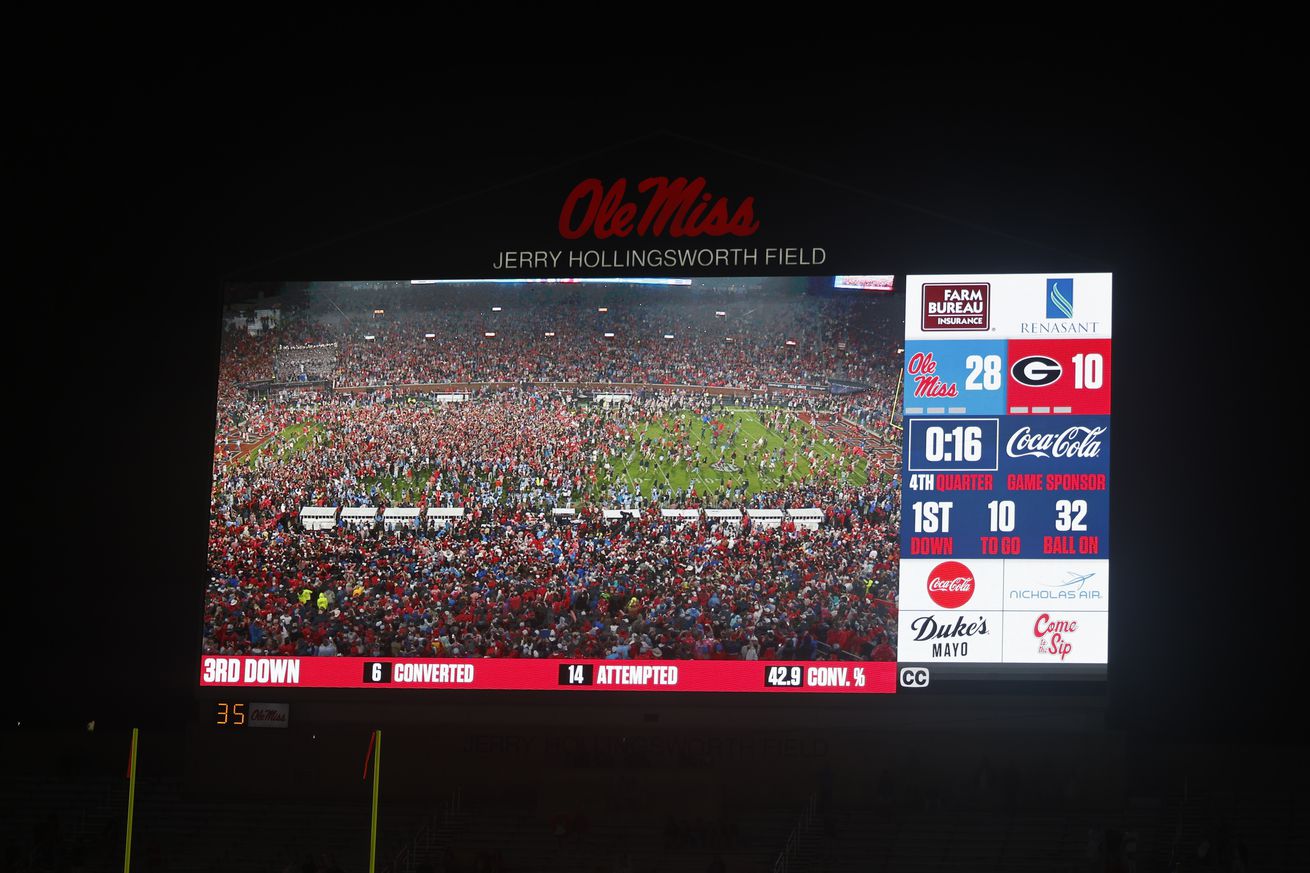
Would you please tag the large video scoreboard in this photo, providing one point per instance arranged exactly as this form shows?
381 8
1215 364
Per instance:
1005 537
786 505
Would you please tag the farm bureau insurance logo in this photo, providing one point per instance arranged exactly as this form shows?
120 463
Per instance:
1072 442
951 584
966 306
680 207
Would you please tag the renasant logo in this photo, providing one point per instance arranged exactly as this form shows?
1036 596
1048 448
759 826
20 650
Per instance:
1059 312
1059 298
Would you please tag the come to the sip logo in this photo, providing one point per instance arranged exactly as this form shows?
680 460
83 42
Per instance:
1059 298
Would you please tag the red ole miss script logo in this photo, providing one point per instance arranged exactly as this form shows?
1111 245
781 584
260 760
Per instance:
681 207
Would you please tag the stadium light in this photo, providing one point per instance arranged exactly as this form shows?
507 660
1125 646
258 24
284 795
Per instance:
668 336
609 335
489 333
550 333
495 309
430 336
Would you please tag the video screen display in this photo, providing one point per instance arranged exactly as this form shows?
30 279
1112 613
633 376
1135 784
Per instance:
764 484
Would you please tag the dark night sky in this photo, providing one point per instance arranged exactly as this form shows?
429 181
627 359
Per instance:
140 190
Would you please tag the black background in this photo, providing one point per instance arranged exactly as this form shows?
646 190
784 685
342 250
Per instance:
144 184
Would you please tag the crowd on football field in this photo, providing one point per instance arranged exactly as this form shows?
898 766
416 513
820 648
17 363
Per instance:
508 579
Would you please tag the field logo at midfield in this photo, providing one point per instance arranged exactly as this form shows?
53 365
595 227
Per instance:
964 306
1059 298
951 584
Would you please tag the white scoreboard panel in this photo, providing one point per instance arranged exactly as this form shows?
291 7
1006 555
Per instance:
1005 539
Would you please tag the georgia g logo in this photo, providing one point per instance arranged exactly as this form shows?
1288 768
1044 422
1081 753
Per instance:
1036 371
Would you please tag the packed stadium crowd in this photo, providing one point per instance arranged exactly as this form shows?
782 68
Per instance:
507 579
313 361
657 343
750 342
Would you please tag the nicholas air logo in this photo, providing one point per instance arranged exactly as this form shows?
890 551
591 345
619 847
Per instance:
1059 298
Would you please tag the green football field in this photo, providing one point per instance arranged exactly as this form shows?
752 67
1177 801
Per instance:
290 441
781 447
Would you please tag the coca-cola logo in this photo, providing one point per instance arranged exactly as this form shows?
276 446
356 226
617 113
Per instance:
678 206
1073 442
950 584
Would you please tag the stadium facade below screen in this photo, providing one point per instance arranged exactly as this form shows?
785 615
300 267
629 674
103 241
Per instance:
391 518
550 674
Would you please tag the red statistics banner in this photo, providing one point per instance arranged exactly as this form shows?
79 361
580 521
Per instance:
866 677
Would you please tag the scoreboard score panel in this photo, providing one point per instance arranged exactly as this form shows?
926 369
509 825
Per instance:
1006 467
1018 376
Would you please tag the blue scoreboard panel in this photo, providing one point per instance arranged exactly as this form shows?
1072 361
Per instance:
1005 537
